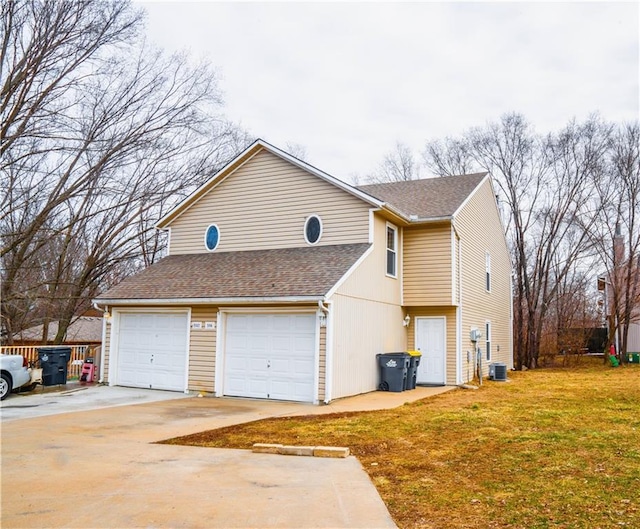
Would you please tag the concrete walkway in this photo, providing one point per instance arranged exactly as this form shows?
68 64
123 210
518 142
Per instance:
100 468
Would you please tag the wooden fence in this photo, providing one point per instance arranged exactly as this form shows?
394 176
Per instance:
74 368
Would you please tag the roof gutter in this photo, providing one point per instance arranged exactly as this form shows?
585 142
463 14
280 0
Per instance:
211 301
103 339
431 220
414 219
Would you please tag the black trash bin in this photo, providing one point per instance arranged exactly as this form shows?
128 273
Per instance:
54 362
412 371
393 371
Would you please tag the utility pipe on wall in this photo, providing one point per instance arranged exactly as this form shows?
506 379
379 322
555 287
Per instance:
325 306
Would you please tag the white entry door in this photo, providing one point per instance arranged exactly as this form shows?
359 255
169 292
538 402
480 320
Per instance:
152 350
430 341
270 356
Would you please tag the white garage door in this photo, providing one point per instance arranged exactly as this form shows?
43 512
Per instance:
152 350
270 356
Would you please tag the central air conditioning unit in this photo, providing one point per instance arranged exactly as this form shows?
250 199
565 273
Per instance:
498 372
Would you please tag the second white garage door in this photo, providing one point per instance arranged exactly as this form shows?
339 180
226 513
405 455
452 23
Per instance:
152 350
270 356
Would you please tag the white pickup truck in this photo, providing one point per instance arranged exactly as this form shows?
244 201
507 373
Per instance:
14 373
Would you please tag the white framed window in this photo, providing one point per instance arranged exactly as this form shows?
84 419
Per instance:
487 333
212 237
312 229
487 266
392 251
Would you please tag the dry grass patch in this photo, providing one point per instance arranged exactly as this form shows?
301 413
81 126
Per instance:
553 447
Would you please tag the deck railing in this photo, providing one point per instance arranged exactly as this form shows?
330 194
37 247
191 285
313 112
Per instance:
30 352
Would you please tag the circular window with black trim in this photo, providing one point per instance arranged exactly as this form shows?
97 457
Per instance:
212 237
312 229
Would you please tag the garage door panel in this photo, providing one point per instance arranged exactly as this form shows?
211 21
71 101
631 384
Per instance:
134 377
279 350
164 360
281 323
283 389
237 342
258 387
239 323
281 344
258 366
152 350
237 364
303 367
303 343
302 388
242 386
259 343
281 367
166 379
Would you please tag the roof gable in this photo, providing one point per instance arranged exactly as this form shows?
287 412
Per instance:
429 198
243 158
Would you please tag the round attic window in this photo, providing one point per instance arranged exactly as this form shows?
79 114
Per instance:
212 237
312 229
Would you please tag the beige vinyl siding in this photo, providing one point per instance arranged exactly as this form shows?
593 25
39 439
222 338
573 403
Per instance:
451 337
369 280
264 205
367 318
362 329
480 230
427 272
202 350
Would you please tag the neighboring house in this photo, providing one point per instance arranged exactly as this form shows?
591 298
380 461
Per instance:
85 330
633 338
621 291
283 282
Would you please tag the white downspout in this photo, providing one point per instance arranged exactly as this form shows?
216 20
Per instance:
328 375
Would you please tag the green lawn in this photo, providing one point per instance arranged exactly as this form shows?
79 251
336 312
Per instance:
557 447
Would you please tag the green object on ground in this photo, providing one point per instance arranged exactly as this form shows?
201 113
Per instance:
633 358
614 361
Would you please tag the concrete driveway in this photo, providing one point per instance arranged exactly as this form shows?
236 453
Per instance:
100 468
76 397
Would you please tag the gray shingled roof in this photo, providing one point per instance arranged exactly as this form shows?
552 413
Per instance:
428 198
290 272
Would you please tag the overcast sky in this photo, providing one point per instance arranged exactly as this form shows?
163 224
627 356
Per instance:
347 80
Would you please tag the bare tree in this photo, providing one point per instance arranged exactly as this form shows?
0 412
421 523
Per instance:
449 157
544 182
296 150
615 230
100 134
397 166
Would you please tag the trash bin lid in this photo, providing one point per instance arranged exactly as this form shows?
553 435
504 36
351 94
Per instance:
415 353
54 349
